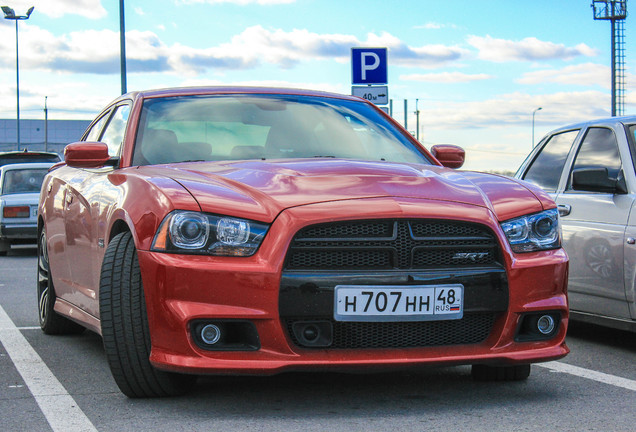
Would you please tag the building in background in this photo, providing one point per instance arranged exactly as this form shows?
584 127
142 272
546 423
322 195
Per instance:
33 134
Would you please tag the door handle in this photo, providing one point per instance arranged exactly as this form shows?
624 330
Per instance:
564 209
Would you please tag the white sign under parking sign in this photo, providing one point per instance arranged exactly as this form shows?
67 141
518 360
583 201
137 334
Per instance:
379 95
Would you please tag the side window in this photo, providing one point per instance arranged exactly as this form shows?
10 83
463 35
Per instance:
114 133
93 134
545 171
599 149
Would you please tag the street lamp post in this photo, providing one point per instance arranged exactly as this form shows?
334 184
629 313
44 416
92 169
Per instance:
533 113
122 47
10 15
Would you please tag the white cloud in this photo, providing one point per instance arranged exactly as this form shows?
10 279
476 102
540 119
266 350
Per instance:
326 87
446 77
528 49
426 56
515 109
66 100
92 9
497 133
587 74
146 52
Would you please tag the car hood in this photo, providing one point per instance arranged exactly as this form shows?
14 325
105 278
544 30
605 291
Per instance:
260 190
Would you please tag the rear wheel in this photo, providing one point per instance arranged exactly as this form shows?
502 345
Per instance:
50 321
500 373
125 330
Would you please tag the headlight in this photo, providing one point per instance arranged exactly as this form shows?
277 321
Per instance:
200 233
539 231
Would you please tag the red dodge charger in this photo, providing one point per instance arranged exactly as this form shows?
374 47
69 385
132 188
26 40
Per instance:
257 231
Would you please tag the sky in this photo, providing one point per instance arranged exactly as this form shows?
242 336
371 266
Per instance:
475 70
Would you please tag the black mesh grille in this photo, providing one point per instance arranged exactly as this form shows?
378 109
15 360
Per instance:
361 229
472 329
341 259
388 244
445 229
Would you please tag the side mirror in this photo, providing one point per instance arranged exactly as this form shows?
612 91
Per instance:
86 154
598 180
450 156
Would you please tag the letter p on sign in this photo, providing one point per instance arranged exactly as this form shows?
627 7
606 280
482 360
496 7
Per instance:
369 66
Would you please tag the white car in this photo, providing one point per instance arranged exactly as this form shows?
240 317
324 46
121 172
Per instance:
588 169
19 194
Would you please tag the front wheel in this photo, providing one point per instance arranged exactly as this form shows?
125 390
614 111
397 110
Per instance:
125 330
500 373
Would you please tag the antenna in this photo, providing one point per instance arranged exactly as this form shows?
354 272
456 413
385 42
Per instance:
615 11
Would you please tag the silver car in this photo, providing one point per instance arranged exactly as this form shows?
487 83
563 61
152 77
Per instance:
19 194
588 168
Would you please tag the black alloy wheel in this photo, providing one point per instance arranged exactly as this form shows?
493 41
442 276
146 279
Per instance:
51 322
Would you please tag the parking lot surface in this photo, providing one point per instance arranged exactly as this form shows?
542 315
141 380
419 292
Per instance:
63 383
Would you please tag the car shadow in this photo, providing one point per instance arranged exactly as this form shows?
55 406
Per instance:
602 335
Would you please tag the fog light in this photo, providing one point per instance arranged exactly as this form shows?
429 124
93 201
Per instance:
538 326
311 333
545 324
210 334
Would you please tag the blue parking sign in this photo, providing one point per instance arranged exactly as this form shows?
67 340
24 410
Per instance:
369 66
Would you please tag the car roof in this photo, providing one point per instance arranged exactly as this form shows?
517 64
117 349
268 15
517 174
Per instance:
30 165
228 90
599 121
7 158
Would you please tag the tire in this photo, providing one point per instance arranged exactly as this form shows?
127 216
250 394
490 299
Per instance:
125 330
500 373
51 322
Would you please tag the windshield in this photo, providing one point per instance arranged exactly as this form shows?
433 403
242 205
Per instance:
23 180
238 127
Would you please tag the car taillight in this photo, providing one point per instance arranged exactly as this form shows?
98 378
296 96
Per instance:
16 212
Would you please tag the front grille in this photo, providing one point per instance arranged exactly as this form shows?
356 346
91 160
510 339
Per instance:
392 244
394 252
473 328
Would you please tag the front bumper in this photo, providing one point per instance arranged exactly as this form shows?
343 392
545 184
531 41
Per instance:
181 290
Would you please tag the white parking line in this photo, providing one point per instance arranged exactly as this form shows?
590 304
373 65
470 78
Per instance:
590 374
60 409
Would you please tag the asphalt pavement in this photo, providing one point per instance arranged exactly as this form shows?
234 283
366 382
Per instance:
63 383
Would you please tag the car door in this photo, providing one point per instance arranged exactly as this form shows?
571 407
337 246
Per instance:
58 218
630 233
594 225
83 207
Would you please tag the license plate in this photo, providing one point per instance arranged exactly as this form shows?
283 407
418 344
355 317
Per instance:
398 303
